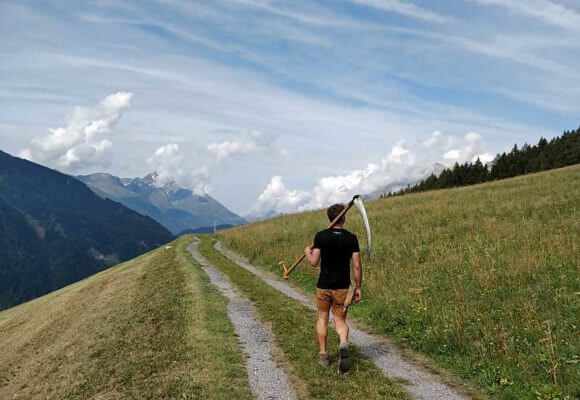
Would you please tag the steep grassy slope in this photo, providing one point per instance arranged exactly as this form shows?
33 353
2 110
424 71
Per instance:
483 279
152 328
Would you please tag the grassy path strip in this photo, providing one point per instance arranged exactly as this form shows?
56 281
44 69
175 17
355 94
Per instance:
267 380
150 328
293 325
424 385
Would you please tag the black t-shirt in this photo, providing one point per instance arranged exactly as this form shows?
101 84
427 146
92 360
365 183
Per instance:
336 247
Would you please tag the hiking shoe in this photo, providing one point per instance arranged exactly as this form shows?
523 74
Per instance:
323 359
344 360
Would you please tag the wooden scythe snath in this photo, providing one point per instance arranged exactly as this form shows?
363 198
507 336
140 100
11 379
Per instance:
356 200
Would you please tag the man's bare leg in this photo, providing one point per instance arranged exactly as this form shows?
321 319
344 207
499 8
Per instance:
322 330
342 331
322 333
341 328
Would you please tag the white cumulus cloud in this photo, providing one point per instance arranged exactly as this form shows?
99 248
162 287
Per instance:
485 158
168 163
401 165
452 154
194 170
472 137
277 197
223 150
432 139
84 139
251 141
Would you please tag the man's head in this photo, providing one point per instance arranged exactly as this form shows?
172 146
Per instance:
333 212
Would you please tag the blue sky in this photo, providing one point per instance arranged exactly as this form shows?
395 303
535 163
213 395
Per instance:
284 105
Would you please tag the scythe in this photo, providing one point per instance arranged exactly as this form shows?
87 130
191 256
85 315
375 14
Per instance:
357 201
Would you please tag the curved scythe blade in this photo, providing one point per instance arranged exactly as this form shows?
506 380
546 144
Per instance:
360 205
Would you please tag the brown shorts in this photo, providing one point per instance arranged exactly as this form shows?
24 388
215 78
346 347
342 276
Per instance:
327 299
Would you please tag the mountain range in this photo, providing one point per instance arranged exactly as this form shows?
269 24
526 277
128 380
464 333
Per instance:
178 209
54 231
261 215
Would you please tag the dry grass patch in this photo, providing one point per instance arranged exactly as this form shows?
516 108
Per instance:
152 327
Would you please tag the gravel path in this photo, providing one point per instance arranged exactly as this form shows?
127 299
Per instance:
267 380
423 384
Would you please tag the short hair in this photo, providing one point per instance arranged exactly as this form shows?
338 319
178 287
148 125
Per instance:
333 212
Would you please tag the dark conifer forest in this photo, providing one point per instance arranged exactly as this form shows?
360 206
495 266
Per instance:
54 231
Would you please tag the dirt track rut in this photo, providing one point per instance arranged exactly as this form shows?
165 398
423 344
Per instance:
423 384
267 380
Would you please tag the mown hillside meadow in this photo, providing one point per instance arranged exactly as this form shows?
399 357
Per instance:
150 328
483 279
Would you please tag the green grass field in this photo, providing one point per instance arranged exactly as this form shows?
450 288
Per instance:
155 328
293 326
151 328
484 280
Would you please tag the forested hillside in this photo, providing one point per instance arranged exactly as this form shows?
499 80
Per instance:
559 152
54 231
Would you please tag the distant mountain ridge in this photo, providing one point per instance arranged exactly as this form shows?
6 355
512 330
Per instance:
176 208
259 216
54 231
205 229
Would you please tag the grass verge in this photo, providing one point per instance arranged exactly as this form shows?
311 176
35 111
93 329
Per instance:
150 328
293 326
484 280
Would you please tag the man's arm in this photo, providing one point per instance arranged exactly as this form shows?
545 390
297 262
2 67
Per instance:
312 255
357 271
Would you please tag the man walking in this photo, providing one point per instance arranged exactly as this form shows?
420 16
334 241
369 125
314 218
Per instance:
335 247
